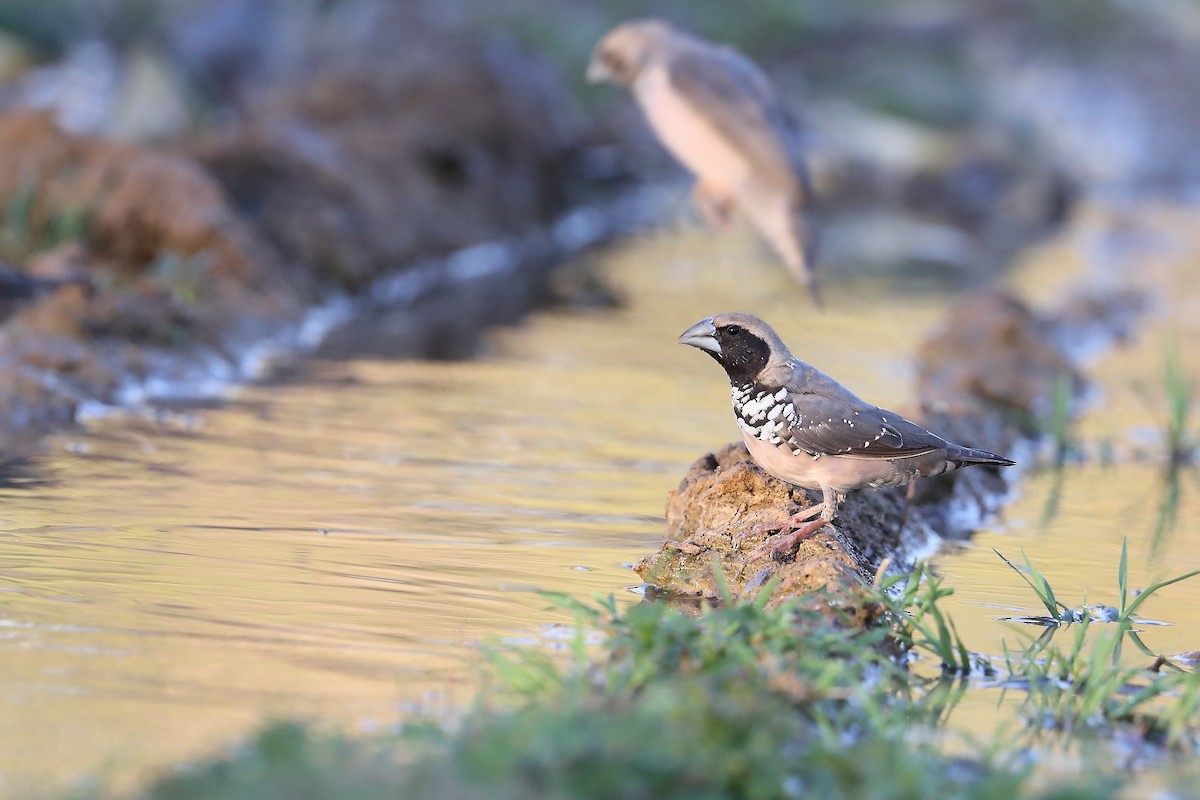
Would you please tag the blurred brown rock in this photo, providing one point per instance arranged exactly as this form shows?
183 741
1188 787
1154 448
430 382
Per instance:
140 202
361 169
993 355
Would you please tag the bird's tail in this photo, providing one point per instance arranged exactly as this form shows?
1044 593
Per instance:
803 268
786 226
965 456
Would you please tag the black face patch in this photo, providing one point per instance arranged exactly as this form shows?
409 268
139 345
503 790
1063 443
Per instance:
743 355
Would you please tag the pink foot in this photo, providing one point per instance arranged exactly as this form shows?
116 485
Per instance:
763 528
785 542
715 207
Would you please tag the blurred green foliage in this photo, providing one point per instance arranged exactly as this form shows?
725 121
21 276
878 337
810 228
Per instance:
26 231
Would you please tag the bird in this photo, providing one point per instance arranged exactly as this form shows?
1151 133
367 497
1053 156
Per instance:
717 113
806 429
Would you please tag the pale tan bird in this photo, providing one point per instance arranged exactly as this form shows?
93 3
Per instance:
803 427
716 112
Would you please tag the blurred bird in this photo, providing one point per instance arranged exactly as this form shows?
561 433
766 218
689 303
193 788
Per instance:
805 428
718 115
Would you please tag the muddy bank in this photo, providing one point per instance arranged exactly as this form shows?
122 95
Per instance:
987 378
139 269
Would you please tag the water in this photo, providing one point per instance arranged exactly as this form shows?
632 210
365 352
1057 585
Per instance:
1072 523
336 547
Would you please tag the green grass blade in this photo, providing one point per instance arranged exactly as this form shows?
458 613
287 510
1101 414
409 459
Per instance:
1149 590
1123 575
1047 592
722 582
1043 594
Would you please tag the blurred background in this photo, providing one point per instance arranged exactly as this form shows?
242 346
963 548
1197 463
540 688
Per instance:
194 173
191 189
283 149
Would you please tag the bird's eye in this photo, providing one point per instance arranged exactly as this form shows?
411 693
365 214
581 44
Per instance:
733 330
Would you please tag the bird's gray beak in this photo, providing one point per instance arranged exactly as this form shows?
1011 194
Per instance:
703 335
597 72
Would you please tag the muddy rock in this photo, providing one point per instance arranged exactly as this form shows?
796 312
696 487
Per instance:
358 170
721 514
116 249
334 168
984 379
993 357
138 203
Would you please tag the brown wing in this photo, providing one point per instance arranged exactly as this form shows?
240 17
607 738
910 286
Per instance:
830 426
730 92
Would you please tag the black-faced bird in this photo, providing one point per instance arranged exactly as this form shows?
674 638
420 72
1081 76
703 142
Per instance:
805 428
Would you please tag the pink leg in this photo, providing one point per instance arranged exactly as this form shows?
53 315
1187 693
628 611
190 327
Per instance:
791 532
784 542
716 208
791 522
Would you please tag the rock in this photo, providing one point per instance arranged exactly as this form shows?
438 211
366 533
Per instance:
360 170
139 203
993 357
154 258
710 518
983 378
336 167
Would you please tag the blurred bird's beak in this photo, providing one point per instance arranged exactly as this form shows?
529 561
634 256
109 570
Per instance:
703 335
597 72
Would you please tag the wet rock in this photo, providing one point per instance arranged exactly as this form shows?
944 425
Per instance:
993 358
331 167
711 521
118 250
983 379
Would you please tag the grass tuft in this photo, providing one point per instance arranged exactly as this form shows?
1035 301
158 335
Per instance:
1057 613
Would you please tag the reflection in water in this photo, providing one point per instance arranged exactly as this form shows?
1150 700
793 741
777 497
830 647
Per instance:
1053 497
1168 508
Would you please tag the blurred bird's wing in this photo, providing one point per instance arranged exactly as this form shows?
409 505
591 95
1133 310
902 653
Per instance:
829 426
735 98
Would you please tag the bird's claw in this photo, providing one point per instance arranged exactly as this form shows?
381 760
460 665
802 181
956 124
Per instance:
765 528
785 542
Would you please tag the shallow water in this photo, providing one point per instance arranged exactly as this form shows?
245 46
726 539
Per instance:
1072 522
337 546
